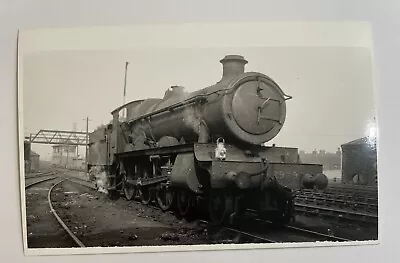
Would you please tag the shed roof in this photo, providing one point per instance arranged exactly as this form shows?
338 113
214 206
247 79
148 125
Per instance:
359 142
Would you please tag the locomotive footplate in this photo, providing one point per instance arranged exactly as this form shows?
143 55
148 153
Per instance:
176 149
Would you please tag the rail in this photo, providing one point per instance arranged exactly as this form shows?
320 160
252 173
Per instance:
41 174
60 221
64 226
40 181
336 213
332 238
339 203
251 235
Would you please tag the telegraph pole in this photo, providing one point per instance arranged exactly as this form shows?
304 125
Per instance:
87 138
87 143
77 147
66 163
123 98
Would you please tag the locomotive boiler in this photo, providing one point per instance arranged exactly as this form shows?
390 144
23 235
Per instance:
206 148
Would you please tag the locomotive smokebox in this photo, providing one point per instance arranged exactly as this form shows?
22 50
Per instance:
233 65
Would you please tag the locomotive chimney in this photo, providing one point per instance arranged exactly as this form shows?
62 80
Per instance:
233 65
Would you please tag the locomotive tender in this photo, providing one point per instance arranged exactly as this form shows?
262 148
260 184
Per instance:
206 149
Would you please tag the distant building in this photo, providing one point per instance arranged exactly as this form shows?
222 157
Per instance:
27 155
359 162
66 156
31 158
330 161
34 161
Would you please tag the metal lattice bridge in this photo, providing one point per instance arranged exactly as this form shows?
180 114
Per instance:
59 137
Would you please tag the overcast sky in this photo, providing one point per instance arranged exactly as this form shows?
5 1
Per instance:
332 87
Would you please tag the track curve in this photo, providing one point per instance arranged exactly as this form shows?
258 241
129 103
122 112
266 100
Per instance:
60 221
39 181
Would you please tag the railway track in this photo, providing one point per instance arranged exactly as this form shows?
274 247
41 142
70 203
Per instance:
81 182
317 234
280 235
356 194
292 231
252 236
340 197
39 181
311 209
60 221
38 175
338 203
295 233
353 188
338 214
54 213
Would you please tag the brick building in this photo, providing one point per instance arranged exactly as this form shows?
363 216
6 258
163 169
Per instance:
359 162
31 158
330 161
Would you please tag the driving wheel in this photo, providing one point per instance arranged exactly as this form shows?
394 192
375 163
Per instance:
185 202
145 195
220 206
165 198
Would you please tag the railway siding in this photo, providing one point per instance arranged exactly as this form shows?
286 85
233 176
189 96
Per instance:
43 230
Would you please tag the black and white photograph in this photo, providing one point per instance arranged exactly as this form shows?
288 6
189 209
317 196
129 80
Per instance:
197 137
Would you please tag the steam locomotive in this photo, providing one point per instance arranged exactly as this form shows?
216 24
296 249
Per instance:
206 149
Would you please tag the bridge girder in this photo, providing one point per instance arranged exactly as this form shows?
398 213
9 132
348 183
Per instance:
59 137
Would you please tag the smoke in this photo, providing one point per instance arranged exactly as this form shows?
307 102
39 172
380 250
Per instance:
191 114
97 153
99 176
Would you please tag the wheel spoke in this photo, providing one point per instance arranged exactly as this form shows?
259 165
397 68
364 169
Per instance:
220 206
164 202
145 195
129 192
184 202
